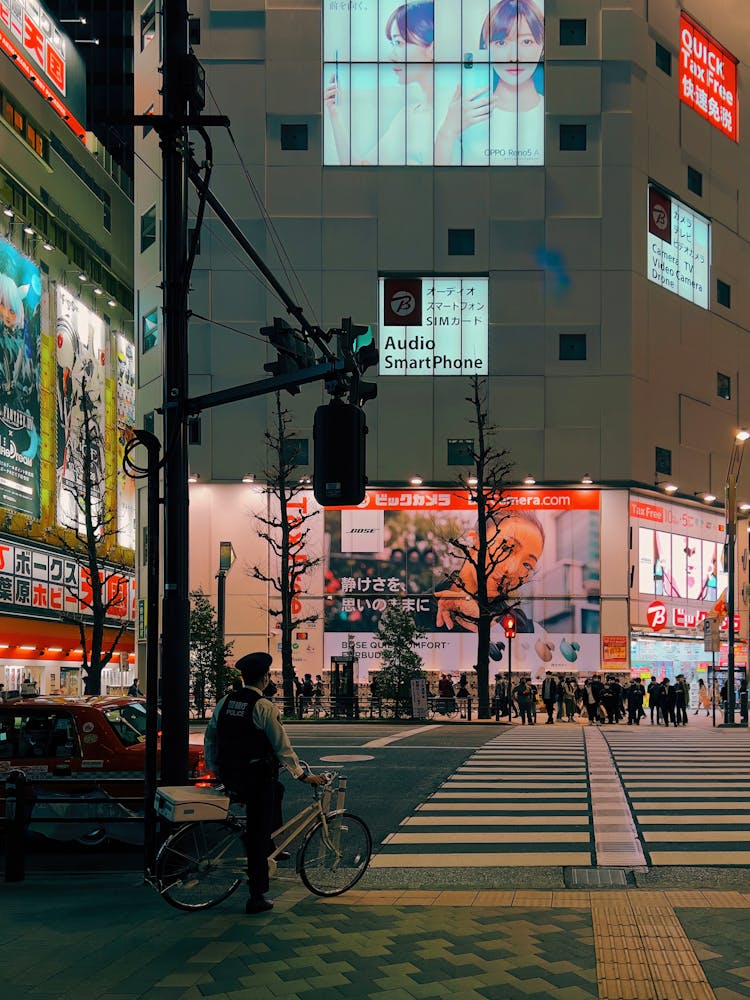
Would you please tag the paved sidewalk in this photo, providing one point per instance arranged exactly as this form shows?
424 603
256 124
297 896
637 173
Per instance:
112 938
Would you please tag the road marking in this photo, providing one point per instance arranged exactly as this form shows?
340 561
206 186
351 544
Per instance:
346 758
524 807
518 821
385 741
467 860
484 837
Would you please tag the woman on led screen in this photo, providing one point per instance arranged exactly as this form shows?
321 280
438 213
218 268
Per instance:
502 122
408 136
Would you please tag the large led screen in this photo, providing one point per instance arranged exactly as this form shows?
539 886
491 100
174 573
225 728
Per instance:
20 301
679 248
459 82
433 326
81 360
396 546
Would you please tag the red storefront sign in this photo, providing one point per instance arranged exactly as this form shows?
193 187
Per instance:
708 77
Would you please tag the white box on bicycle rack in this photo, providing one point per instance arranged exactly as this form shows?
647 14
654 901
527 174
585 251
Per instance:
183 803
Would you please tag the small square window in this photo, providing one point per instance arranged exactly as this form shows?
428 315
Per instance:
663 59
149 331
723 294
148 228
723 386
296 451
194 429
572 31
460 242
460 451
572 347
695 181
294 137
663 460
573 138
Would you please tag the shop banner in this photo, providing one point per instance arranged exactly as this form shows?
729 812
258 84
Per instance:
545 554
20 299
81 367
125 425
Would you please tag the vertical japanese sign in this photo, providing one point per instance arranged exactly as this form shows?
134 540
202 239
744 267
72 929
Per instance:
451 337
125 425
81 361
708 77
20 300
679 248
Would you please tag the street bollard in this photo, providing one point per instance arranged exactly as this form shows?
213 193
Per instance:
16 799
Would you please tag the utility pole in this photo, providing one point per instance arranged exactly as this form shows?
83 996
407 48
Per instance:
175 689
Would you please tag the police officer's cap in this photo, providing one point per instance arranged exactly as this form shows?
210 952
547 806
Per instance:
254 666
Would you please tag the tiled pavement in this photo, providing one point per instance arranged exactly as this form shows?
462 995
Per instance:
109 938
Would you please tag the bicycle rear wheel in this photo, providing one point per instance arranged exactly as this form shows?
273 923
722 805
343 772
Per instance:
335 855
200 865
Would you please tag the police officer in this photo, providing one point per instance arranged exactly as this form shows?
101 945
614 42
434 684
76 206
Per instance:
245 744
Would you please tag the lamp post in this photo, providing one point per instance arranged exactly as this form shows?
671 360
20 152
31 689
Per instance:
730 498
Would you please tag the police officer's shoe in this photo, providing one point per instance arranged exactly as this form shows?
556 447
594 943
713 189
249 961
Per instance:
258 904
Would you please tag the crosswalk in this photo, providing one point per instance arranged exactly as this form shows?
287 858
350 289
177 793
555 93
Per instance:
521 800
687 792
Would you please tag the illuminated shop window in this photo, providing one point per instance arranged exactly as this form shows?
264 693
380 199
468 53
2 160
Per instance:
418 83
678 248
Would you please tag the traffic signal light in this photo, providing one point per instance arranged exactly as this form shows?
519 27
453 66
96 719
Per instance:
339 463
293 350
509 625
359 341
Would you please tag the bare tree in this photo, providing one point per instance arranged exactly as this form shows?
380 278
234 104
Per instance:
284 530
89 540
480 590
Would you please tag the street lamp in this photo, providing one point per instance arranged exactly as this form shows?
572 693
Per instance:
730 498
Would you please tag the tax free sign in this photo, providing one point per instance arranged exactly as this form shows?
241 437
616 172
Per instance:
708 77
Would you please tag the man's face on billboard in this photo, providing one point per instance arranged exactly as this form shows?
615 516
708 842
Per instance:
516 549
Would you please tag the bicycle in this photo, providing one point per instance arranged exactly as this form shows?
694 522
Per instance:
446 707
203 862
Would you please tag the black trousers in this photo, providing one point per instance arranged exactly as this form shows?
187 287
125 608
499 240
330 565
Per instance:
261 791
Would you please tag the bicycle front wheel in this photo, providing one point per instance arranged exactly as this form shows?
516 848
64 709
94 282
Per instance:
200 865
335 854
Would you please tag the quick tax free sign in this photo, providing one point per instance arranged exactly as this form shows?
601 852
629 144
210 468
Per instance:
708 77
433 326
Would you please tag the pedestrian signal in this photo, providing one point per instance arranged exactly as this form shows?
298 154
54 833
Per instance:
509 625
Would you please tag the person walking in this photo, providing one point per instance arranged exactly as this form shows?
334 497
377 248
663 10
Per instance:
682 700
653 699
245 744
669 702
704 700
570 688
560 697
590 702
634 695
549 696
522 693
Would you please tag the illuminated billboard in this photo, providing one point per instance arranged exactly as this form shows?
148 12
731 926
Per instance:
420 83
81 365
433 326
679 248
46 57
125 425
708 77
20 457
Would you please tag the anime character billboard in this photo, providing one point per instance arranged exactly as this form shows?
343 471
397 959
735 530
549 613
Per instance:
125 425
20 302
396 546
81 365
416 83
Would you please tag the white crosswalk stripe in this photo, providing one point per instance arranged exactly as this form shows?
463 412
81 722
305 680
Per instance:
521 800
687 793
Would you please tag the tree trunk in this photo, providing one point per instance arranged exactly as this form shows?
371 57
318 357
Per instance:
483 666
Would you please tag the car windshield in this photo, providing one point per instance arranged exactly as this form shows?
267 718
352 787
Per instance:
129 722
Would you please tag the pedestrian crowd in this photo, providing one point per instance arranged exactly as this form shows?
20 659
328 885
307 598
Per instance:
600 700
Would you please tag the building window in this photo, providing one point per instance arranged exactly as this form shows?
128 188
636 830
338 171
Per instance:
573 138
723 294
148 228
148 421
572 347
296 451
294 137
460 242
695 181
149 331
148 24
107 216
663 461
148 128
663 59
572 31
460 451
723 386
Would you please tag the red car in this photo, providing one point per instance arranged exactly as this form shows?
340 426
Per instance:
94 748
